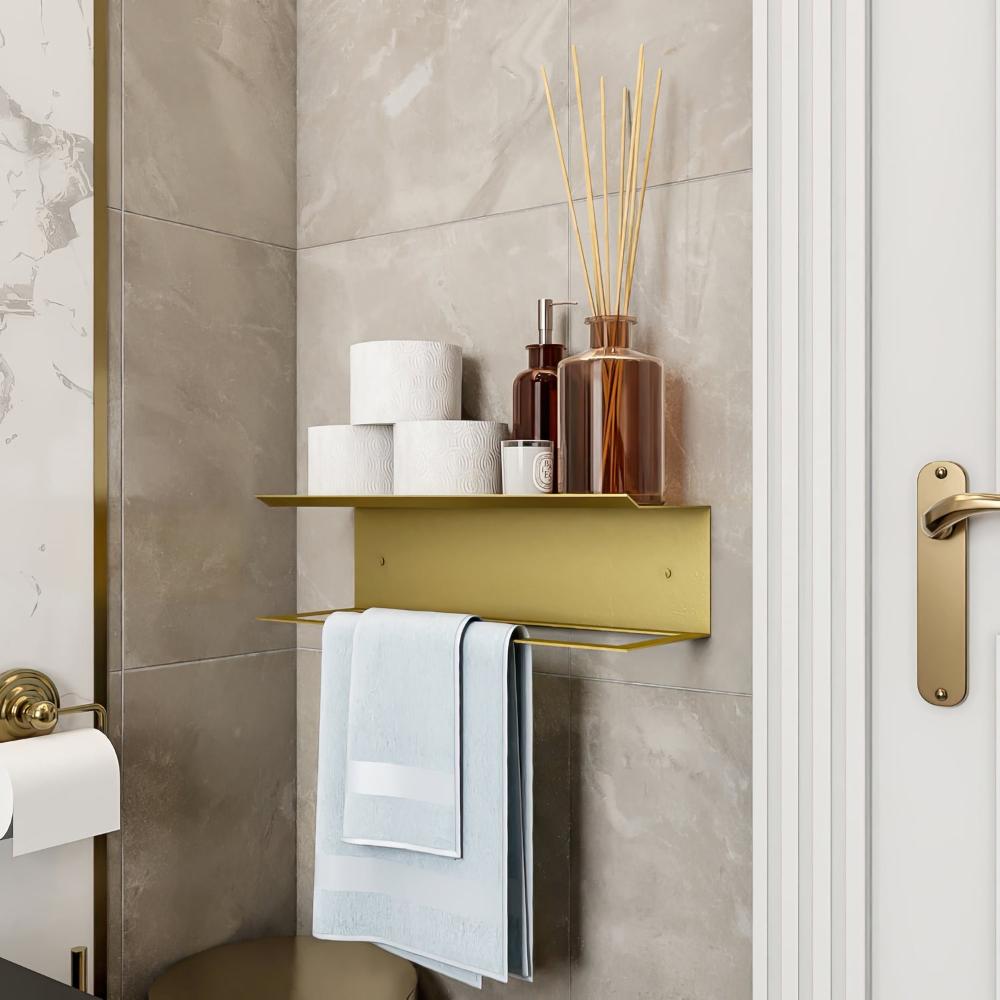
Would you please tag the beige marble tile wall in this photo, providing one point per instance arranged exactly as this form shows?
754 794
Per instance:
202 196
429 207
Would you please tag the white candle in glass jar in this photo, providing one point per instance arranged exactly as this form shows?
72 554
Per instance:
527 467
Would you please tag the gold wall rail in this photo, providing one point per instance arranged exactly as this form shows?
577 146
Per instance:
630 645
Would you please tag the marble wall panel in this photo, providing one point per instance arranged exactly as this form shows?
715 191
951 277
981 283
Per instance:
47 335
209 421
209 808
209 115
416 114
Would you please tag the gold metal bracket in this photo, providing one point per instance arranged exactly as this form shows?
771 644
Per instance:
943 507
29 705
595 572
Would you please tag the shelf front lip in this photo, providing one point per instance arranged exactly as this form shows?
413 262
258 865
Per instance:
481 500
652 637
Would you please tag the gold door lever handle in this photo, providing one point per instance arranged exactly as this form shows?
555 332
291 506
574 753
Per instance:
940 518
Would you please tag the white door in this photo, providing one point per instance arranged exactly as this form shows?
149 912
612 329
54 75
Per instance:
934 397
46 423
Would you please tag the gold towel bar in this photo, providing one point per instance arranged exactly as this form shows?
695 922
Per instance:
29 705
652 638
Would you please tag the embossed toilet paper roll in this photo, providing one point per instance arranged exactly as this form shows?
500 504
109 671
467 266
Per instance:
59 788
450 457
350 459
395 380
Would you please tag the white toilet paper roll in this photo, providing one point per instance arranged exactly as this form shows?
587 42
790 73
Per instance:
59 788
447 457
395 380
350 459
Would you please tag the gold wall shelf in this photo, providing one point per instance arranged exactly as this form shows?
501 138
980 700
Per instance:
476 501
576 563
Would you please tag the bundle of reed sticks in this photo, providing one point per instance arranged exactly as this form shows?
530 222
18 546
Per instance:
609 298
609 301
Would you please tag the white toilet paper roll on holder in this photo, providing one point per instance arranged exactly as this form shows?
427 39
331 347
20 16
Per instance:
29 705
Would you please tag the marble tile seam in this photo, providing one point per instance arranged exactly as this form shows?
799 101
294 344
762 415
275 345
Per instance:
609 680
201 229
205 659
514 211
660 687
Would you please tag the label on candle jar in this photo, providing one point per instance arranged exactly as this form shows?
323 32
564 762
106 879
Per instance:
541 471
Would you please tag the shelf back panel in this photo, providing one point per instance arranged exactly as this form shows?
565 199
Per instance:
630 568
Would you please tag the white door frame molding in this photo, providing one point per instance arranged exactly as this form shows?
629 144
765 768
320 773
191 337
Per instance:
811 499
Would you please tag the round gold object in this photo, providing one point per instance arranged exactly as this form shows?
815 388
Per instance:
41 716
941 472
941 694
29 704
299 968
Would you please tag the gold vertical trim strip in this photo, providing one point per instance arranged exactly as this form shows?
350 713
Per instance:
100 433
78 968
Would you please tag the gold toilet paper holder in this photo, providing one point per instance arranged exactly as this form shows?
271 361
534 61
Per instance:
29 705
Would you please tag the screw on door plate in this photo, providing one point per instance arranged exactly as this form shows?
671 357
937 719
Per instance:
941 694
941 472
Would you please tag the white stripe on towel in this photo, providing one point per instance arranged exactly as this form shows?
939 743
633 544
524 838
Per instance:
398 781
471 900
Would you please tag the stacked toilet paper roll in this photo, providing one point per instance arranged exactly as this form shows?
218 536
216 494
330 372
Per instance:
449 457
396 380
405 434
350 460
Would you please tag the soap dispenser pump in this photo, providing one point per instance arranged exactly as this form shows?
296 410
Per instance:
536 400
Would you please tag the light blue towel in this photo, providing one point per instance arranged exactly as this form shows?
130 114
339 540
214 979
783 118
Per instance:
470 917
403 732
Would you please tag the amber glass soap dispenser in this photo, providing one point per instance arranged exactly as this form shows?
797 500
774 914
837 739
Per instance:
536 390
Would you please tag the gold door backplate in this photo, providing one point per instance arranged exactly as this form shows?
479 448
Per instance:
942 605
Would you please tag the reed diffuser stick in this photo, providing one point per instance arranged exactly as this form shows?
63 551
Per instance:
595 243
633 158
640 94
621 184
569 190
604 171
631 191
642 198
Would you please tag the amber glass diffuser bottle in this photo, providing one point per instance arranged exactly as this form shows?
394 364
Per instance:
536 406
611 416
611 419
